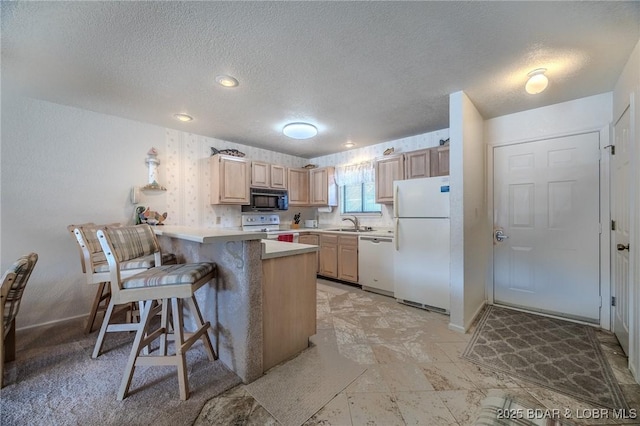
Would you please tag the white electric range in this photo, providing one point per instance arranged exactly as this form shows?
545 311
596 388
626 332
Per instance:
269 223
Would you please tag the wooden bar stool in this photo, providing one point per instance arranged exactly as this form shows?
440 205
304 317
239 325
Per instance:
96 270
12 286
173 285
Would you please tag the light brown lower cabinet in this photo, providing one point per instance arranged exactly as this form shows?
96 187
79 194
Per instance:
339 257
348 258
313 239
288 306
329 256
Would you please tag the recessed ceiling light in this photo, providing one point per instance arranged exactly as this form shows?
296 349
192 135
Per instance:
183 117
300 130
537 81
349 144
226 81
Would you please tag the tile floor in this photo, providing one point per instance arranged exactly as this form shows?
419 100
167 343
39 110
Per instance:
414 375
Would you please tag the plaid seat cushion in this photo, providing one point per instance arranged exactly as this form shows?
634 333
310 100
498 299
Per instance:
187 273
144 262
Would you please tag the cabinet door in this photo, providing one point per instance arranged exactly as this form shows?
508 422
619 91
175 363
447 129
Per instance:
387 170
348 258
329 256
313 239
418 164
323 188
278 177
229 180
440 161
260 175
298 187
319 194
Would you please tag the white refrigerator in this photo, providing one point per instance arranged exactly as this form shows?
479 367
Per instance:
421 256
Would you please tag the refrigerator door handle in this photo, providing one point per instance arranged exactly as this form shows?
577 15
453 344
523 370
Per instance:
395 202
397 237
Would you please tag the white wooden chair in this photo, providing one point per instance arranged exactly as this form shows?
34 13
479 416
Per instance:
174 285
96 269
13 282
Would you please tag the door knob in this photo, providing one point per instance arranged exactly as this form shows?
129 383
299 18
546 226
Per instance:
622 247
500 236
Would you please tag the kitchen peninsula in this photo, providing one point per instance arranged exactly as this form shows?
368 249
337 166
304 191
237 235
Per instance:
262 307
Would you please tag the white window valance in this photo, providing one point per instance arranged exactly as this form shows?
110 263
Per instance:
355 174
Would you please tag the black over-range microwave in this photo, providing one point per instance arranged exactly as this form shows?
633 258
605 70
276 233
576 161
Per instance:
267 200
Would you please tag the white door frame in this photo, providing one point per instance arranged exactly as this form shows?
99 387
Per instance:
605 219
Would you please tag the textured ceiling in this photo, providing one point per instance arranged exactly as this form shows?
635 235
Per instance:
362 71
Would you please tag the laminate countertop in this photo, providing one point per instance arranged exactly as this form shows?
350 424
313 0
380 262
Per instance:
274 248
207 235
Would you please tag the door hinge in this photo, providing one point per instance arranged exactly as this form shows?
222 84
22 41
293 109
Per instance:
613 149
613 301
613 225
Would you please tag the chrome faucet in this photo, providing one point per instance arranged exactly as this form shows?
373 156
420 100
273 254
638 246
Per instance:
355 221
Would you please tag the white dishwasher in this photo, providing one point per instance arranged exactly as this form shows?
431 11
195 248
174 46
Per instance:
375 264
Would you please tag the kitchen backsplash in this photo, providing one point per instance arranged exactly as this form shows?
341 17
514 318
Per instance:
186 170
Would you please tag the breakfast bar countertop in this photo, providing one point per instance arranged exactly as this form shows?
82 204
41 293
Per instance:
207 235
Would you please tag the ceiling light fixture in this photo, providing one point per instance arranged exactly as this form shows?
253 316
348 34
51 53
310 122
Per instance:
226 81
537 81
349 144
300 130
183 117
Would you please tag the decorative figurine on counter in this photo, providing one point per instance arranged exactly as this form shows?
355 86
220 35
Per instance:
149 216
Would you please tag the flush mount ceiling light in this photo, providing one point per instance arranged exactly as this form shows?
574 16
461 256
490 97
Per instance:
300 130
349 144
183 117
537 81
226 81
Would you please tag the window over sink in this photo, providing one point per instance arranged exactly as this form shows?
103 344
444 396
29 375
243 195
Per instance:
359 198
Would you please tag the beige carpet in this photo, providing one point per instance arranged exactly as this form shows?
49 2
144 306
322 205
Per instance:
295 390
60 384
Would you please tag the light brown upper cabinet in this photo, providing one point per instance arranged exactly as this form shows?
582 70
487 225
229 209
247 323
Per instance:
265 175
229 180
418 164
298 187
278 177
387 170
440 161
323 190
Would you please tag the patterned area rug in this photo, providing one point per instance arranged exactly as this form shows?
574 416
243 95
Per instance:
560 355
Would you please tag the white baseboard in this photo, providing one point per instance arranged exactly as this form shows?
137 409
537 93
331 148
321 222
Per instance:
467 325
29 327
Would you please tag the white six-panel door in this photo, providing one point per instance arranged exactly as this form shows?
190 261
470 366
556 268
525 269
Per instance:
546 204
621 235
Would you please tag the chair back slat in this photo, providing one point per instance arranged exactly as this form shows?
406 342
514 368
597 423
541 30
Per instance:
91 254
12 295
130 242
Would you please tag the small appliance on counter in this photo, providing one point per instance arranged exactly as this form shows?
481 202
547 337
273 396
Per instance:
309 223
